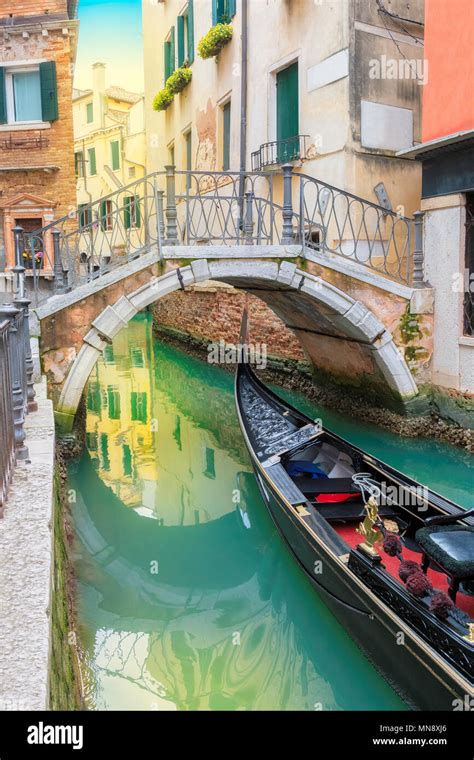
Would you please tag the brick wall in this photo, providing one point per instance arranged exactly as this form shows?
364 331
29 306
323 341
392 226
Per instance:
57 186
31 7
214 314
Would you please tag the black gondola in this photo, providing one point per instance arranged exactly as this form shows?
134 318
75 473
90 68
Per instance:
380 549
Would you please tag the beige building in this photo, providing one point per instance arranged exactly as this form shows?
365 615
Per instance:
109 147
333 87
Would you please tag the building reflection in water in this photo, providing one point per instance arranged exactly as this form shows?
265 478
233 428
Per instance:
200 607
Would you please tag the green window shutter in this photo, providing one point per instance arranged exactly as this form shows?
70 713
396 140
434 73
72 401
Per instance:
231 5
115 147
90 113
126 212
172 51
180 32
137 211
166 53
49 91
190 32
287 112
3 99
215 12
82 216
103 215
92 162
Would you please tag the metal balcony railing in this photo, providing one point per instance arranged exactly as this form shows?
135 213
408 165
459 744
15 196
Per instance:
279 152
16 380
22 142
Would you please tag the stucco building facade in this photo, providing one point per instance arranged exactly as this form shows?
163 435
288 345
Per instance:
36 132
337 92
446 155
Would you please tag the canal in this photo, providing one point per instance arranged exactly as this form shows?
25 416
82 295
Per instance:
187 598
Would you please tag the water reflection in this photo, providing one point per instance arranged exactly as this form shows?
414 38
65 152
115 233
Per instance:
187 597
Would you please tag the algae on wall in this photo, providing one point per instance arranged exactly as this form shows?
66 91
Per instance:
65 679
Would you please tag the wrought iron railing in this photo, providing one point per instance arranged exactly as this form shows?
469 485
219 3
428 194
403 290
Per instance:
279 152
17 395
189 208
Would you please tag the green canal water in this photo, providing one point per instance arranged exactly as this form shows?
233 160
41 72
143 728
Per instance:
187 597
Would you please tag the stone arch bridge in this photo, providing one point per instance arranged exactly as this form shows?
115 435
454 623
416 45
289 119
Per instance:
335 270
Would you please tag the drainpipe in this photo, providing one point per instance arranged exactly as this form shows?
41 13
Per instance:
243 108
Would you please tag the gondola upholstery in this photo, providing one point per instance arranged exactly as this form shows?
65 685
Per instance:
451 548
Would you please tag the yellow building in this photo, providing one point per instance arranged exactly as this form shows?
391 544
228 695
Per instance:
146 450
109 149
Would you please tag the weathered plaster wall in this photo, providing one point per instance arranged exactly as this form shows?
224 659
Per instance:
453 355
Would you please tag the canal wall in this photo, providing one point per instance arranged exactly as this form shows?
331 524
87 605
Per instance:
208 313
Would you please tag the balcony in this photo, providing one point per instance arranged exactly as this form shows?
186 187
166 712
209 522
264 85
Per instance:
279 152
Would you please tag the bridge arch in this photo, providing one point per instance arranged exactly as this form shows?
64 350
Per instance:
309 305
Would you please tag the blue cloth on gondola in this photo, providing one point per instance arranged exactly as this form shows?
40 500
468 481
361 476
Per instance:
300 467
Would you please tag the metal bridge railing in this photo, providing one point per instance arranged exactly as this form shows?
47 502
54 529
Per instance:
220 209
17 395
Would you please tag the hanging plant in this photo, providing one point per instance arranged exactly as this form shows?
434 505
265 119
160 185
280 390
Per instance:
179 79
163 99
212 43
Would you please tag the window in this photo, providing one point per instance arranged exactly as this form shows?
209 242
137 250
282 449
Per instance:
226 136
115 154
28 93
89 112
138 402
223 11
91 441
93 398
127 460
137 357
171 154
85 214
108 354
169 54
92 161
131 171
131 211
79 163
287 113
209 463
113 400
185 33
104 451
106 215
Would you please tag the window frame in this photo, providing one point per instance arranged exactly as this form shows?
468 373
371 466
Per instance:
112 143
10 70
89 151
91 105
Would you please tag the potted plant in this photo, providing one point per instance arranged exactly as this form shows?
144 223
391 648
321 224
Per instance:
163 99
212 43
179 79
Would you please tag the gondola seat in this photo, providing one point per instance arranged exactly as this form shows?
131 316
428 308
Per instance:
449 548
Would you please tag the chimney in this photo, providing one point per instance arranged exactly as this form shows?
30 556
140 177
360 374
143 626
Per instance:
98 87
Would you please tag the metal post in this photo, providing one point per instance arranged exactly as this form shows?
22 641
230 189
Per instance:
18 372
287 230
23 303
248 219
60 285
171 215
418 257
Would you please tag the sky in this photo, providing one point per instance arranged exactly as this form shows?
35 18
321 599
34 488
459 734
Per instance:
111 32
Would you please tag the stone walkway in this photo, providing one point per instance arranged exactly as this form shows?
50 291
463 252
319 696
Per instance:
25 568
